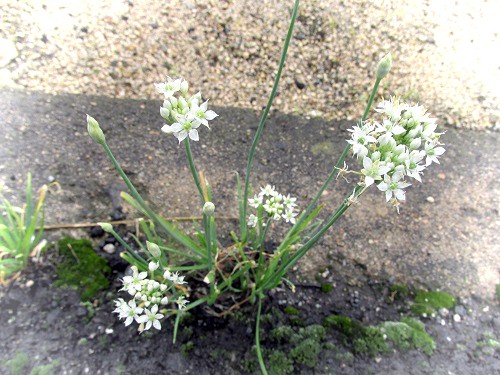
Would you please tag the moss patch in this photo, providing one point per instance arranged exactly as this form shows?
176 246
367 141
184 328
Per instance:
279 363
428 303
305 347
404 335
290 310
326 288
81 268
18 364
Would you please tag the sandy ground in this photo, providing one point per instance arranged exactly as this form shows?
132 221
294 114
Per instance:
444 52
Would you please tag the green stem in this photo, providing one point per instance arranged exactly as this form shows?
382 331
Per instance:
257 339
194 172
337 166
310 243
165 225
264 116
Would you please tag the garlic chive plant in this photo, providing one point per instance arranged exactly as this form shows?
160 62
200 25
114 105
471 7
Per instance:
391 149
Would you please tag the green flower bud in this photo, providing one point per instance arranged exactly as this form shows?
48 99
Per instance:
174 101
384 66
164 112
182 103
153 249
184 87
167 104
209 208
107 227
95 130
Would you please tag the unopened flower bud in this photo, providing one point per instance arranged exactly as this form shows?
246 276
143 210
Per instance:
384 66
415 143
167 104
164 301
182 103
209 208
184 87
153 266
153 249
209 278
164 112
95 130
174 101
107 227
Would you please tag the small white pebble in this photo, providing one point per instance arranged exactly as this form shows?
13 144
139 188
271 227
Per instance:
443 322
457 318
109 331
430 199
318 306
448 338
486 309
29 283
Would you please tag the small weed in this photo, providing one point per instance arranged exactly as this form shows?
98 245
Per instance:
398 292
187 348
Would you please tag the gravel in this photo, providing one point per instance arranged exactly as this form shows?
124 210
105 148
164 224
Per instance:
230 50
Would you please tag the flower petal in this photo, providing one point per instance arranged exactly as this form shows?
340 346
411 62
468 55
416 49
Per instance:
210 115
193 134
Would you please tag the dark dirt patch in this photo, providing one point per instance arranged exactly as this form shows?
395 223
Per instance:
51 324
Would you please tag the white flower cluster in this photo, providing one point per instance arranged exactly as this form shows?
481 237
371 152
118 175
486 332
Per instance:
403 144
275 205
184 115
147 295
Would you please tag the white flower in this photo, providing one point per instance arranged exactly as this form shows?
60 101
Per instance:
174 277
181 302
289 216
120 305
252 220
268 190
360 139
183 128
200 113
389 127
132 312
393 185
432 152
170 87
289 202
134 282
373 171
256 201
413 168
392 108
151 318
